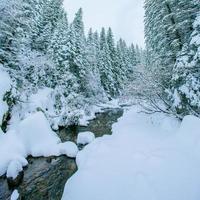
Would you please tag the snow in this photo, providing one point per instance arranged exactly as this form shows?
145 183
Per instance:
15 195
93 109
150 157
5 85
85 138
14 168
37 136
7 154
33 136
68 148
42 99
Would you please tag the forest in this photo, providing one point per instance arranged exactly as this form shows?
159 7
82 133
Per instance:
40 49
56 75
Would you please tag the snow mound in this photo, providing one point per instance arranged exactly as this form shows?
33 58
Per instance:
85 138
15 195
5 86
14 168
190 125
11 148
37 136
32 136
150 157
68 148
189 132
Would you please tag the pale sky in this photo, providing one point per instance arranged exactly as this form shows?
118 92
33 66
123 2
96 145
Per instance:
125 17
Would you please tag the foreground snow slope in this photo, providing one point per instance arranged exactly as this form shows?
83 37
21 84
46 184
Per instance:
147 158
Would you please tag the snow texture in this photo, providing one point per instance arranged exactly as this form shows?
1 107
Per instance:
68 148
85 138
150 157
15 195
14 168
37 136
5 86
33 136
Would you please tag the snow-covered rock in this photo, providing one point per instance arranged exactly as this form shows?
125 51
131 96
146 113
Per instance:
68 148
32 136
11 148
15 195
37 136
85 138
14 168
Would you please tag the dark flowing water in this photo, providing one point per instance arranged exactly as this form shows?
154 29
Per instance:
45 178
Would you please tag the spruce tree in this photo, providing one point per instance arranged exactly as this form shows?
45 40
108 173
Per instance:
105 66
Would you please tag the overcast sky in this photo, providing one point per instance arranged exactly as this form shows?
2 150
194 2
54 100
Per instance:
125 17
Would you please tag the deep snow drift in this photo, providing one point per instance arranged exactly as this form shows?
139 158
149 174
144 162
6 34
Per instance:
32 136
148 157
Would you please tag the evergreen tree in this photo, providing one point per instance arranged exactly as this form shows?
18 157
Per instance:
168 29
132 55
185 86
105 66
94 87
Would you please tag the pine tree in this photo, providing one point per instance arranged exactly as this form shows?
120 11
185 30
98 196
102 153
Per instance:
59 51
113 58
94 87
132 55
185 86
50 11
105 66
168 29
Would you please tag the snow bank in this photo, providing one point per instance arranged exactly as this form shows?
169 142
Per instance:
85 138
14 168
11 148
5 85
46 99
33 136
37 136
68 148
189 133
145 158
190 125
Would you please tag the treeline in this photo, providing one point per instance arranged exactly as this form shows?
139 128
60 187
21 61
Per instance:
172 70
40 48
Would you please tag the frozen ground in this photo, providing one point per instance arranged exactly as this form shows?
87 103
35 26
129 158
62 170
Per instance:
148 157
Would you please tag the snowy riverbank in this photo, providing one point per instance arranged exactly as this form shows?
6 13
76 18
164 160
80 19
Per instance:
150 157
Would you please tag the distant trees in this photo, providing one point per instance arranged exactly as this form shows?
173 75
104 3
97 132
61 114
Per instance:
40 48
